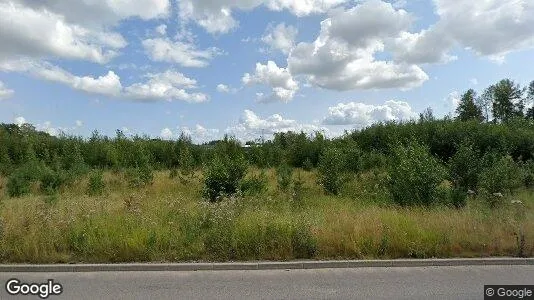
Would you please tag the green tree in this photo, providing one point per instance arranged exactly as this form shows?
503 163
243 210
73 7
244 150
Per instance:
427 115
530 101
224 173
468 108
415 176
508 100
464 167
331 170
284 175
485 102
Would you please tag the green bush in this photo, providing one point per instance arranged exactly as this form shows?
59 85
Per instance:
254 185
372 160
19 182
222 176
503 176
186 162
307 165
465 167
52 180
458 197
331 171
297 195
18 185
284 175
140 176
96 184
415 176
528 173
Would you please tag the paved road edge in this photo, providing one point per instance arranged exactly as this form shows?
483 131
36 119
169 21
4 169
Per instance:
290 265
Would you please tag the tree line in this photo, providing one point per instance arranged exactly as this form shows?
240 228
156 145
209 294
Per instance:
487 147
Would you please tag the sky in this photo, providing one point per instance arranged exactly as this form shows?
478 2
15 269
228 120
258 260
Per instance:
250 68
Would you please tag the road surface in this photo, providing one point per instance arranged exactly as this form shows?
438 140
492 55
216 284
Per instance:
361 283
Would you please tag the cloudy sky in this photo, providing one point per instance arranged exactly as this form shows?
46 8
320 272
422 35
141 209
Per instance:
251 67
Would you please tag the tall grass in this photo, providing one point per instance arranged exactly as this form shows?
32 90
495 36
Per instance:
168 221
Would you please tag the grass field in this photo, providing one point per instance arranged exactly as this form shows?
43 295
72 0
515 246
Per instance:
169 221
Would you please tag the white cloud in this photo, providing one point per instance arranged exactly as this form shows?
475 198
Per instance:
343 55
216 16
452 101
102 12
200 134
79 123
280 80
48 128
183 53
166 134
38 33
251 126
223 88
362 115
108 84
427 46
169 85
5 92
280 37
473 81
20 121
162 29
490 28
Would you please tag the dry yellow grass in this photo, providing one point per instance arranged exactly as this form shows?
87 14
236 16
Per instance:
168 221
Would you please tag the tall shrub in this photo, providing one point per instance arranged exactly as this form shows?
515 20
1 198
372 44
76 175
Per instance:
224 173
331 171
415 175
464 168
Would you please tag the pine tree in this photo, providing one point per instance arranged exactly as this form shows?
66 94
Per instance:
468 109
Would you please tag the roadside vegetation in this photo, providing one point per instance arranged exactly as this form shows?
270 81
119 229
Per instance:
456 187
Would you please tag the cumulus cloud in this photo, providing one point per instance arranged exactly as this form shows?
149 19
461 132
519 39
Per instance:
452 101
280 37
101 12
108 84
5 92
427 46
251 126
41 33
179 52
361 115
20 120
79 123
216 16
200 134
223 88
284 87
343 55
166 134
162 29
490 28
169 85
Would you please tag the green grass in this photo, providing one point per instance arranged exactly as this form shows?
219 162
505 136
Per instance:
168 221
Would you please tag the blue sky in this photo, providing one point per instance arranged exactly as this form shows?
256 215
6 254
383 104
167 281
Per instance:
247 67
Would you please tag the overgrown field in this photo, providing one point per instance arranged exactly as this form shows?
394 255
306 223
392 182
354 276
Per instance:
169 221
423 188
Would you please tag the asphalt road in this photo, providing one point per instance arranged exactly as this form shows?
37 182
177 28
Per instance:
361 283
